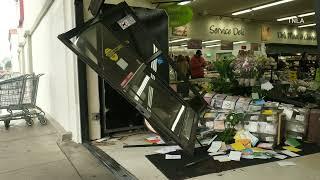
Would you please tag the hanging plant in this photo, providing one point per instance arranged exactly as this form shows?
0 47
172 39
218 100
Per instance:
179 15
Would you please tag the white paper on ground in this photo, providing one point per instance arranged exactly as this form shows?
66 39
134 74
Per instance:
280 156
289 153
221 158
168 156
168 149
215 146
217 153
286 163
247 157
235 155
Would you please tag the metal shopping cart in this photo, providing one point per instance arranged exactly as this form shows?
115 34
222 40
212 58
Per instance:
18 97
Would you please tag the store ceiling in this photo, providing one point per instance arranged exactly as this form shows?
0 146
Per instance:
227 7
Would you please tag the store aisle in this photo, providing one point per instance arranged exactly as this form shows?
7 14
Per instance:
33 153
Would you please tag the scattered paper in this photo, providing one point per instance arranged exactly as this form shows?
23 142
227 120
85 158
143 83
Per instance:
247 157
265 145
289 153
286 163
292 142
237 146
168 149
155 140
217 153
223 147
215 146
168 156
256 149
280 156
235 155
269 139
292 149
254 140
221 158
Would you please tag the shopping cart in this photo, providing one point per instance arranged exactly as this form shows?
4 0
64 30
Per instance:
18 97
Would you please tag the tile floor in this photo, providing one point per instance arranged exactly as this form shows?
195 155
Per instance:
133 159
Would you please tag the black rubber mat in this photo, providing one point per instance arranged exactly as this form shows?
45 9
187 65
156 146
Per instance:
177 169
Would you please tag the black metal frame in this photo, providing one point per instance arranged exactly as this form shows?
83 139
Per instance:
163 130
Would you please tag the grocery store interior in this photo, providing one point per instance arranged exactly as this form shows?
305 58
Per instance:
170 89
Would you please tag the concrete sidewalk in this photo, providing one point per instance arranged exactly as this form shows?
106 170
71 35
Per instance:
33 153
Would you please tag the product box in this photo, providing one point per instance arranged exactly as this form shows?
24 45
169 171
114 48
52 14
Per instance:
208 97
230 102
217 100
243 104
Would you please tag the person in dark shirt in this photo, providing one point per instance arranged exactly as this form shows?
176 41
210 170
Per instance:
197 65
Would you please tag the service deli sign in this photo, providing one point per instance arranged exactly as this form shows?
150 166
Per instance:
227 31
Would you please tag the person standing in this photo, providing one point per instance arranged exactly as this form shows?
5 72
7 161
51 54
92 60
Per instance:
182 68
197 65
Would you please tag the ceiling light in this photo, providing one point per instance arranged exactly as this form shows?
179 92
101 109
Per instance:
307 14
271 4
184 45
184 2
207 42
261 7
241 12
307 25
287 18
216 45
179 40
239 42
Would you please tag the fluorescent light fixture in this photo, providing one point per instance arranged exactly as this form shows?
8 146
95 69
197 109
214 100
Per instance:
307 25
184 3
215 45
179 40
177 118
287 18
239 42
271 4
207 42
184 45
261 7
241 12
307 14
142 87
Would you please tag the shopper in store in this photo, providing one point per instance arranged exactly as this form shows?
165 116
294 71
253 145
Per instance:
183 69
197 65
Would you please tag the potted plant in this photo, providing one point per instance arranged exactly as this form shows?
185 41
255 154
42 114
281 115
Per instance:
232 120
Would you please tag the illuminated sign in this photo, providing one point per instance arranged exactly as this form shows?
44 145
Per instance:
296 20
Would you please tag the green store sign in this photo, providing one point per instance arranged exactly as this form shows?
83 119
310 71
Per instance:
179 15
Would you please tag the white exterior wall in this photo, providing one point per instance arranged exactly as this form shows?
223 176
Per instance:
58 88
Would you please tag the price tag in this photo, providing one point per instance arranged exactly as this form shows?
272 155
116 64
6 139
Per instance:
300 118
254 118
270 118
